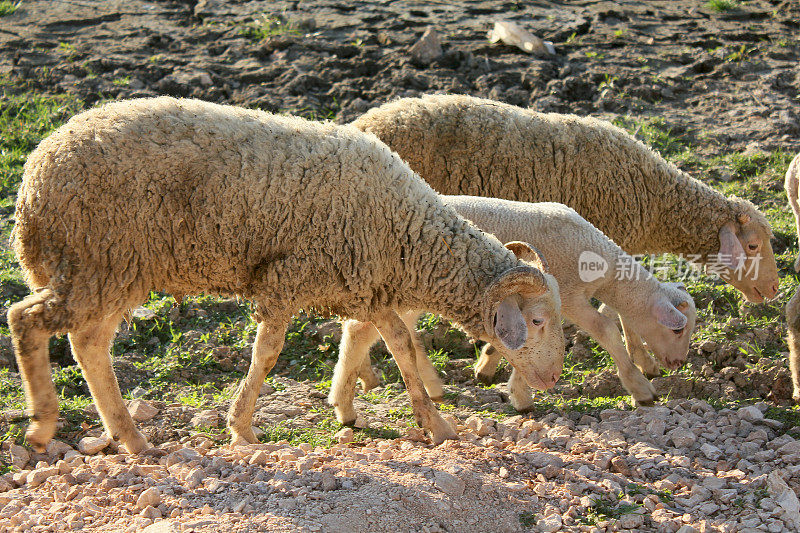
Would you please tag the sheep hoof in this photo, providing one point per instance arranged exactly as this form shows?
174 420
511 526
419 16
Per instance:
137 444
40 433
522 406
442 431
484 378
243 437
369 382
346 417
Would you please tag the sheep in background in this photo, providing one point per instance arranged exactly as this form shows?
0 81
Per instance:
585 264
185 196
465 145
791 185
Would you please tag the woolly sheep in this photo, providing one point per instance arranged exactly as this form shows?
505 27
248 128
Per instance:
465 145
663 314
791 185
185 196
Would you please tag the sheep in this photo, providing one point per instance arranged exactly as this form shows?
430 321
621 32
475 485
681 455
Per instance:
465 145
184 196
791 185
586 264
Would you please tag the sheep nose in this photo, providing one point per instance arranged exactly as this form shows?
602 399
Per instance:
553 379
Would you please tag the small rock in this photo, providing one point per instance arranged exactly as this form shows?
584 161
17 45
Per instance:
162 526
143 313
682 438
448 483
618 464
93 445
207 418
36 477
549 524
19 456
711 451
141 411
785 497
751 413
428 48
344 436
151 497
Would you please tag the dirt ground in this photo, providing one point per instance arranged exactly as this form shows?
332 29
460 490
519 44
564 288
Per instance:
679 73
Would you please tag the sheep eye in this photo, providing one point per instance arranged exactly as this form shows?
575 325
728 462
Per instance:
537 321
678 331
752 247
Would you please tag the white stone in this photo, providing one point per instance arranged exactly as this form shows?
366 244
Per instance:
785 497
141 411
428 48
36 477
344 436
751 413
682 438
549 524
448 483
151 497
711 451
93 445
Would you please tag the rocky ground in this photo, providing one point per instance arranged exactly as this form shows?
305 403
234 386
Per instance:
712 85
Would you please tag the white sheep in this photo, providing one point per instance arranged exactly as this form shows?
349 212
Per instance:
465 145
792 187
587 265
185 196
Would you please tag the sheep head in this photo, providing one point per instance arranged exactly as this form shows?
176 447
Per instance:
522 318
746 258
668 328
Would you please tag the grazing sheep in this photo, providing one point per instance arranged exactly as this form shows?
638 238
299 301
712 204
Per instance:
465 145
186 196
586 265
791 185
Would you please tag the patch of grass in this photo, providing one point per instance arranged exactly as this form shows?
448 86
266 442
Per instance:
265 26
655 132
722 5
7 7
603 509
527 519
319 435
122 81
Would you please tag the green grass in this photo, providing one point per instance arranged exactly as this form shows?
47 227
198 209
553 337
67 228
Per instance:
266 26
7 7
723 5
603 509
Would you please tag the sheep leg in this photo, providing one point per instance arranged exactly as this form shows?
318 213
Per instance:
427 372
793 340
398 339
519 392
637 352
266 349
604 330
30 324
487 364
91 347
353 362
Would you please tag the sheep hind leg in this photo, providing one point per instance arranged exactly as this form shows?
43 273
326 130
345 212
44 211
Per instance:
32 322
353 362
604 330
398 340
487 364
793 340
266 349
637 352
91 347
427 372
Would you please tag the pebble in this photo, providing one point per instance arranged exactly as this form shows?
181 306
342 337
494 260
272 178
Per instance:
448 483
151 497
344 436
141 411
93 445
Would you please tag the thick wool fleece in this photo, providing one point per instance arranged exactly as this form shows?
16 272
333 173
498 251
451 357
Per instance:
186 196
466 145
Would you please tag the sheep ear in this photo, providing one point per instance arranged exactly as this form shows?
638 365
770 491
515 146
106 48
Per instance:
528 252
731 253
668 315
509 324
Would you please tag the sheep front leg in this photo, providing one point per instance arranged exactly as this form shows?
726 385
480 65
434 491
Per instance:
604 330
487 364
519 392
353 362
637 352
266 349
91 346
398 339
793 340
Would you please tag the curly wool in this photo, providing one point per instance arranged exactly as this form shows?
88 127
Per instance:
466 145
185 196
